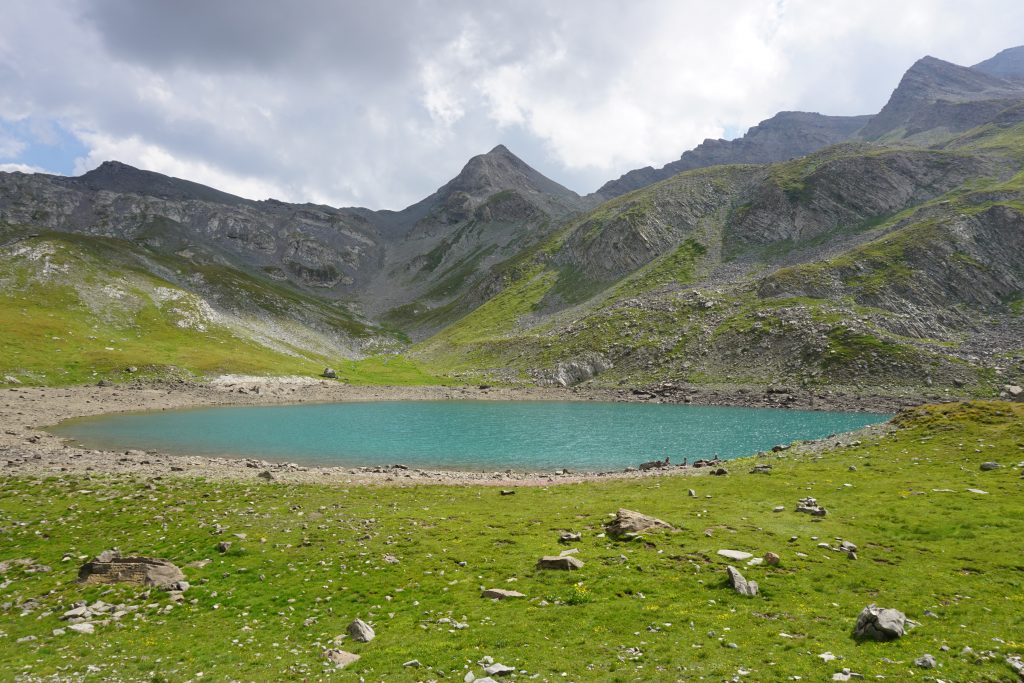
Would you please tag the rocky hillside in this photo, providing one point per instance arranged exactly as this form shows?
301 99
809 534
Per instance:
815 250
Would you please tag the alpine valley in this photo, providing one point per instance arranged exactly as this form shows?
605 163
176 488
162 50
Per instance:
884 252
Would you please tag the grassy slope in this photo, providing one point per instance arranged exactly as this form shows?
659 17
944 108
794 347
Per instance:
75 309
670 332
312 561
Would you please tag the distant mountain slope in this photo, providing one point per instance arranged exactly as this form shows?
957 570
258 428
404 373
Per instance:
1008 64
934 94
77 308
899 265
786 135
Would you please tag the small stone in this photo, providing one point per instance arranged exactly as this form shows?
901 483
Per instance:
925 662
771 559
266 474
360 631
691 493
500 594
989 466
570 537
391 559
413 664
223 546
498 670
779 508
508 492
84 627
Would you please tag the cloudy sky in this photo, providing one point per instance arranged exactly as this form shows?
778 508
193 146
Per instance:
378 103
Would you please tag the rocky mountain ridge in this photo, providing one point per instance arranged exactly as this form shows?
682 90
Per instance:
855 259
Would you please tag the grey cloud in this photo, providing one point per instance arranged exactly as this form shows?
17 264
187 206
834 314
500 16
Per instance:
379 103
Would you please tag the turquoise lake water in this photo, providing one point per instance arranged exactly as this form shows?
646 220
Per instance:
465 435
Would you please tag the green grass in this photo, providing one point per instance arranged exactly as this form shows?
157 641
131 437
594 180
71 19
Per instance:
390 370
312 560
62 324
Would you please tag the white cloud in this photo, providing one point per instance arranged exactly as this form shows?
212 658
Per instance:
379 104
20 168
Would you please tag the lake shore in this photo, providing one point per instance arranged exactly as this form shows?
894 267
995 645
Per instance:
26 448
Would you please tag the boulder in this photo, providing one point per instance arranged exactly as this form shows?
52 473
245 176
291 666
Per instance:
360 631
989 466
500 594
761 468
925 662
567 562
771 559
1014 392
877 623
110 567
628 523
330 373
570 537
740 584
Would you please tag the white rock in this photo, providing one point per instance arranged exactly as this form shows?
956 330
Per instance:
735 554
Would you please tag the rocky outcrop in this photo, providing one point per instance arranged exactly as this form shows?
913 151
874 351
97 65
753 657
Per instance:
572 372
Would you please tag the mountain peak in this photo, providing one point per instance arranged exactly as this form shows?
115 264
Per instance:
929 81
1008 63
498 170
117 176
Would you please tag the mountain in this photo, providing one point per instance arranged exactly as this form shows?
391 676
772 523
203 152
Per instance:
1008 64
786 135
935 95
882 252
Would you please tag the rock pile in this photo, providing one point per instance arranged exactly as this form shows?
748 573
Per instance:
811 507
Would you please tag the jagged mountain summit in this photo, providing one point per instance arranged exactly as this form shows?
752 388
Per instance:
786 135
1008 64
934 94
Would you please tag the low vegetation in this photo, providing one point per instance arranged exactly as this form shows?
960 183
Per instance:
937 538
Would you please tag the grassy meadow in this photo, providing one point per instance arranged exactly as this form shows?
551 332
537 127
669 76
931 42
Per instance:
306 560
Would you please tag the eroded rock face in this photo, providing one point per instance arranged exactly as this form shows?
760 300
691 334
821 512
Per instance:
572 372
628 523
110 567
877 623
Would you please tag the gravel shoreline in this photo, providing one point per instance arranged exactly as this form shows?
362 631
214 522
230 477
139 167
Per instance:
27 449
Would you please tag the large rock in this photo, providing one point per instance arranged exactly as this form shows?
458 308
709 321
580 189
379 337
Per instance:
628 523
360 631
877 623
110 567
567 562
740 584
